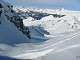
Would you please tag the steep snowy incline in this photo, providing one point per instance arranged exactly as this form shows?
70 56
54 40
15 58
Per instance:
11 38
9 34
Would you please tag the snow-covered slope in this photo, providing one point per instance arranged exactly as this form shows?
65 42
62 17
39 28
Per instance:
62 33
56 31
10 36
50 23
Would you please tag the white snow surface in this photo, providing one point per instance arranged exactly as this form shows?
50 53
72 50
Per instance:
62 42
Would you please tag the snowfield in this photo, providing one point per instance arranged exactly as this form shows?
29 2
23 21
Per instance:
55 34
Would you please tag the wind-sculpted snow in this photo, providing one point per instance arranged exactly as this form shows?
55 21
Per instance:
63 36
54 35
56 47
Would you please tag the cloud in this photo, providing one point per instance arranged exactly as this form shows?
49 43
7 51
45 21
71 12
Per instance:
42 1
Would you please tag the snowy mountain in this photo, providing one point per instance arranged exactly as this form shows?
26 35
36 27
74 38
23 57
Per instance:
46 21
45 34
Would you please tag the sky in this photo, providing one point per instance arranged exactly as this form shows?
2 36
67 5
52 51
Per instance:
67 4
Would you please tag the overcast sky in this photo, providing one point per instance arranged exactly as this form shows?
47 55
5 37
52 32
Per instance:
67 4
